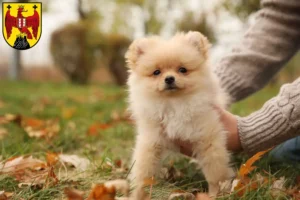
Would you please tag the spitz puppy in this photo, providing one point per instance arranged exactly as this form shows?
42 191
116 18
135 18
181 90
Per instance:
173 93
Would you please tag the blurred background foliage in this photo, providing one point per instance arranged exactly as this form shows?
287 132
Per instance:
79 48
242 8
189 22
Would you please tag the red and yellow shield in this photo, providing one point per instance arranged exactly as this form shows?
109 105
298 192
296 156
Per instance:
22 24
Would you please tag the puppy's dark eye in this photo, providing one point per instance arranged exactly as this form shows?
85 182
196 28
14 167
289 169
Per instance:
182 70
156 72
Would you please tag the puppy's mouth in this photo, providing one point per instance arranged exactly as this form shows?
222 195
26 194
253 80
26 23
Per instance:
172 87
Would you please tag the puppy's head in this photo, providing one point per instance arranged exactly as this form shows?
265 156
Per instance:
173 66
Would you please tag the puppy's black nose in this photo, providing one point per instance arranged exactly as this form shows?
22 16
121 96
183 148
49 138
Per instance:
169 80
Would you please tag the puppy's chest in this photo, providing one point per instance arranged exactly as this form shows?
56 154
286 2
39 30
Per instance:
181 121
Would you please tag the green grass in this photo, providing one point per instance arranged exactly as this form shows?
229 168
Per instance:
95 103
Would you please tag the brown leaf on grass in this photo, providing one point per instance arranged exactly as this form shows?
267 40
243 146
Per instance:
245 184
95 128
34 127
51 158
5 195
40 128
105 191
120 185
7 118
74 161
26 169
51 178
32 122
248 167
73 194
293 192
20 163
101 192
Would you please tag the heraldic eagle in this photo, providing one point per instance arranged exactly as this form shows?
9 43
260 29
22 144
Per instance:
22 23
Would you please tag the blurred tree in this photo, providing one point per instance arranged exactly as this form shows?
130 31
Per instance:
73 52
77 47
113 47
242 8
190 23
74 46
151 23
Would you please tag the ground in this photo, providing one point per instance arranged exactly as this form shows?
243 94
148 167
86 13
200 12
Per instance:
92 125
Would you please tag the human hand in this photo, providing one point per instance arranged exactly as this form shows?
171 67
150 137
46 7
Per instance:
231 126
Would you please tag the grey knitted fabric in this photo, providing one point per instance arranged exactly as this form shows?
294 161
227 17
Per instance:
277 121
264 49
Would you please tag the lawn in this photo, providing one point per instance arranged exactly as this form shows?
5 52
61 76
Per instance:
93 125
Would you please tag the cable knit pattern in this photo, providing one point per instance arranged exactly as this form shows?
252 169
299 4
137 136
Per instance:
263 51
278 120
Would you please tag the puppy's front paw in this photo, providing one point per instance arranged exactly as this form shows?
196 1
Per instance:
139 194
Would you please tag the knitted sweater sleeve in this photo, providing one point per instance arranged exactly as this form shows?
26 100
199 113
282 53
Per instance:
278 120
264 49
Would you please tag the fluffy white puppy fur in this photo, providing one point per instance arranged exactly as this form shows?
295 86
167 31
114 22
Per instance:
179 108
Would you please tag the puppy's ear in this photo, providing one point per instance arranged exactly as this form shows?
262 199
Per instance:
199 41
137 49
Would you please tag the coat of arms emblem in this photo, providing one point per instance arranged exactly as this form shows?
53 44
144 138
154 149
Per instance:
21 24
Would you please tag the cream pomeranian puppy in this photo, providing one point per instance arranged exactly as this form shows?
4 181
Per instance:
172 95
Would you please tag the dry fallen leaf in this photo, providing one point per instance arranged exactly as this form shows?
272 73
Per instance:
95 128
106 191
7 118
20 163
5 195
75 161
277 187
294 192
101 192
246 168
73 194
40 128
120 185
244 183
26 169
52 158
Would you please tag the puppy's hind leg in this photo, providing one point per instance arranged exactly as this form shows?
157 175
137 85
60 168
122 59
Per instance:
214 160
